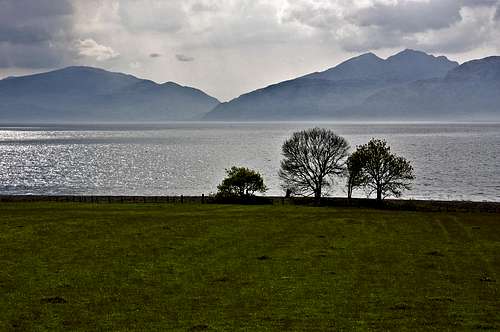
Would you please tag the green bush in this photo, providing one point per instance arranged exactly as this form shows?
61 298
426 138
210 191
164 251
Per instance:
241 182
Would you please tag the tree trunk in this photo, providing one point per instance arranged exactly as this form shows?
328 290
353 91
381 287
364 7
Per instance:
379 194
317 195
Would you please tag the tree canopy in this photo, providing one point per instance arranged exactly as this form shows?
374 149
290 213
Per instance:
241 181
375 167
312 158
355 174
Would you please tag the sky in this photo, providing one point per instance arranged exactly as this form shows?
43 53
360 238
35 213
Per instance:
230 47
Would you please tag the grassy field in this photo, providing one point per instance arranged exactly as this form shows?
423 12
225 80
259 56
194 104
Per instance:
209 267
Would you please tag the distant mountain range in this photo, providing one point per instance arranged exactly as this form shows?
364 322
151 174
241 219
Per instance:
410 85
85 94
468 92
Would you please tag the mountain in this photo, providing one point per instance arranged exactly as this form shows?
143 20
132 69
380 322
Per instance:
406 66
468 92
93 95
334 93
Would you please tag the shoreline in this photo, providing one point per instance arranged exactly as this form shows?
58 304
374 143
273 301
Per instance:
389 204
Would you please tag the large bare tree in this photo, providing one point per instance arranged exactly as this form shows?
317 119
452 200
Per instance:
312 158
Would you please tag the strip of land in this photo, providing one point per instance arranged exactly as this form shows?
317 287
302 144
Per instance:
143 267
388 204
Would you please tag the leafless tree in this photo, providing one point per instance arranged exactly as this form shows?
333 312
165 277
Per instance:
312 158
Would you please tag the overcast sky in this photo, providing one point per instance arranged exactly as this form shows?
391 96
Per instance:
228 47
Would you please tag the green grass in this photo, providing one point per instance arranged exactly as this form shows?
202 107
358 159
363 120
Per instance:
207 267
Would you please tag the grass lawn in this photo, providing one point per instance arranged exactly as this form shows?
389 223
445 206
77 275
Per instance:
84 267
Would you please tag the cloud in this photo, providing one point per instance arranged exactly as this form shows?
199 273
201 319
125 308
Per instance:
90 48
184 58
28 22
22 13
34 56
152 15
412 16
271 39
409 15
135 65
478 3
474 30
33 33
316 14
205 6
378 24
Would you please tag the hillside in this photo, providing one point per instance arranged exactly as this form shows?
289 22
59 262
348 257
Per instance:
468 92
94 95
410 85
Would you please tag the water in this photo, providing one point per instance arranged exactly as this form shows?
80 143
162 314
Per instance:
451 161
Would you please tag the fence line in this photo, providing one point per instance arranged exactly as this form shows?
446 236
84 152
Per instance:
394 204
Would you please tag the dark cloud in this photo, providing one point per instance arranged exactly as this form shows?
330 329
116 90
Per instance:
458 25
410 16
30 56
31 32
184 58
23 35
373 38
28 21
21 10
155 55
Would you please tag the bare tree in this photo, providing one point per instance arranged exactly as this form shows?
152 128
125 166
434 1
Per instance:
312 158
385 173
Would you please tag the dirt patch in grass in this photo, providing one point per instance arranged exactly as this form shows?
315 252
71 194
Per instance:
435 253
487 279
200 327
53 300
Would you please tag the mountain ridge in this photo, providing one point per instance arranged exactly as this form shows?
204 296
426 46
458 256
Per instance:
367 87
469 92
409 85
80 93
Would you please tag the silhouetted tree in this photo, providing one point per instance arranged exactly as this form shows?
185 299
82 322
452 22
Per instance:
312 158
383 172
241 181
355 174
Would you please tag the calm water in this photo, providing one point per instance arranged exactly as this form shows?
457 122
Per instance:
451 161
